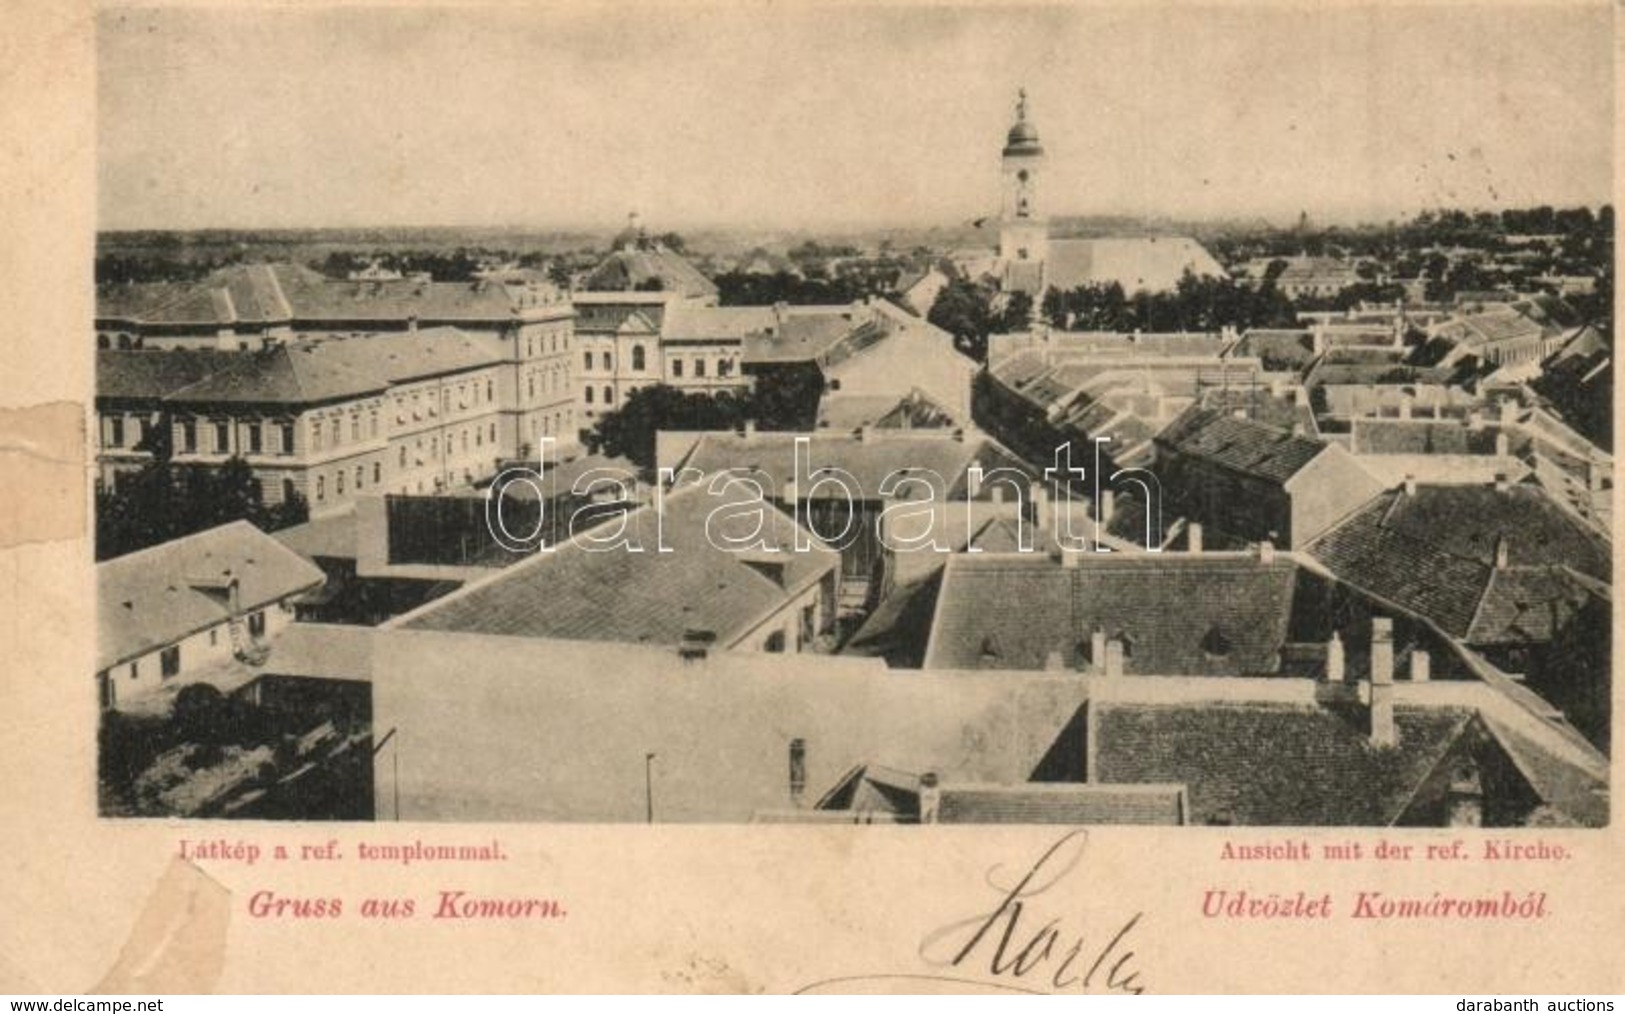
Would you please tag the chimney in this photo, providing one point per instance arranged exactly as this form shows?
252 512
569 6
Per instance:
973 480
1502 482
1193 536
1298 429
1277 387
1266 552
1475 420
1421 666
930 798
1503 547
1383 732
1053 662
1299 395
1097 651
750 427
696 644
1410 484
412 322
1069 558
866 433
1114 657
1502 445
1509 410
997 493
798 769
1335 662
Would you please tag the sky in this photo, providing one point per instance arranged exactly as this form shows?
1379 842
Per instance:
782 116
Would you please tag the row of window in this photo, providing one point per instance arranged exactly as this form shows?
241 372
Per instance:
725 367
531 344
253 437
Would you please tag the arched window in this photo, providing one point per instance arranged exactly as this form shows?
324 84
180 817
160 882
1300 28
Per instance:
359 475
586 360
637 357
775 641
377 472
609 395
589 396
699 367
321 488
338 483
489 395
677 367
605 359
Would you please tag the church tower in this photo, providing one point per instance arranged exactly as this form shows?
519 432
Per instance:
1023 229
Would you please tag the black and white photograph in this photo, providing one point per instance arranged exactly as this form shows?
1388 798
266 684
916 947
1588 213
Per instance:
1105 415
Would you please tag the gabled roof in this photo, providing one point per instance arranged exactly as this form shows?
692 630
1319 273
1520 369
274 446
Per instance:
636 268
1205 614
592 593
1242 445
282 375
153 597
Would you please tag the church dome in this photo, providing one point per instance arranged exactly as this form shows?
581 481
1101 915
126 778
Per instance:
1023 137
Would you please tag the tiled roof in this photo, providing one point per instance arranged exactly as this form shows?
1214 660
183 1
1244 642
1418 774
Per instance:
399 358
1243 445
582 592
1420 436
1433 553
1151 263
281 375
634 268
804 336
150 374
147 599
1061 804
1199 615
1274 764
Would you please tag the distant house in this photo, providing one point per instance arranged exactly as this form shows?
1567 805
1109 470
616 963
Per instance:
1257 482
1316 277
181 605
638 263
918 291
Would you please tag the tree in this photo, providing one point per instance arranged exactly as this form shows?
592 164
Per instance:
629 431
162 502
964 310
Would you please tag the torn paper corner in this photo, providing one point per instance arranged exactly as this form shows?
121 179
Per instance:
178 943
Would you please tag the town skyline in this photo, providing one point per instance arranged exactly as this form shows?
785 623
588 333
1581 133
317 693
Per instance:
571 121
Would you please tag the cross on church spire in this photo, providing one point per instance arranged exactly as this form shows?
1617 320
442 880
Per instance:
1021 103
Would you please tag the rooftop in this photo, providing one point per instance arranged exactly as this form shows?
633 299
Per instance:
594 592
1207 614
1244 445
156 596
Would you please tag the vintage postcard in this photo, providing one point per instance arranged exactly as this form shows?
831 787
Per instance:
1085 499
